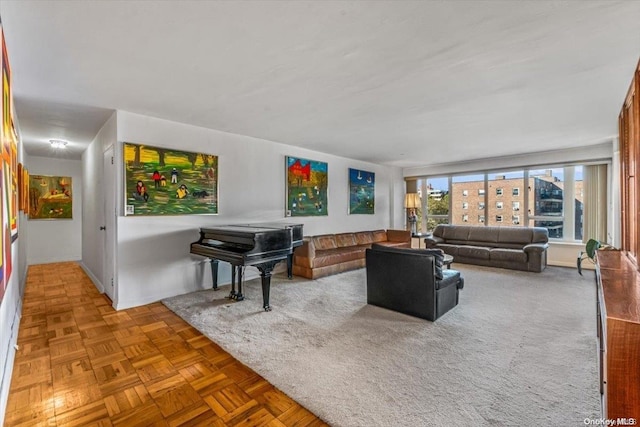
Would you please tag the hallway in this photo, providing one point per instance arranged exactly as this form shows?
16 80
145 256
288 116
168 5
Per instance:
82 363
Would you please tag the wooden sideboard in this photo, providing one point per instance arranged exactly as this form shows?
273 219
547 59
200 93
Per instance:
618 305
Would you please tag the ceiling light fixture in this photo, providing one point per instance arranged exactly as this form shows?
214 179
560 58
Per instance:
58 143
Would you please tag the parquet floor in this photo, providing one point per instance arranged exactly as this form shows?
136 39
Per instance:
81 363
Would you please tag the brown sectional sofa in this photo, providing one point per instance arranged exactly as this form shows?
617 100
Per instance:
334 253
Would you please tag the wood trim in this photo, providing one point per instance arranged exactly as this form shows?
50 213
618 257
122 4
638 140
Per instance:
629 132
619 333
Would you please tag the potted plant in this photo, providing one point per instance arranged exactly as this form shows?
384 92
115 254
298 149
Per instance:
590 252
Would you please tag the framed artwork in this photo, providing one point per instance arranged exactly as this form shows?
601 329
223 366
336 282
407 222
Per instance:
362 192
307 185
6 104
165 181
23 188
20 188
13 184
6 220
50 197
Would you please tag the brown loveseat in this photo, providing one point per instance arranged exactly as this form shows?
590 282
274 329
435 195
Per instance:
334 253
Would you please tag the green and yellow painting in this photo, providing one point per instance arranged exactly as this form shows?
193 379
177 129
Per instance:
164 181
50 197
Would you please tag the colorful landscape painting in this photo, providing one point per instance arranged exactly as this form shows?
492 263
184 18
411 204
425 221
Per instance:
307 183
50 197
362 192
164 181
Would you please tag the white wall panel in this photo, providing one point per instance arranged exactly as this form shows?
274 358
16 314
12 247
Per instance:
56 240
153 252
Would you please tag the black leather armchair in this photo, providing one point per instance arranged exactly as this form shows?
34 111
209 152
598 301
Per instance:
411 281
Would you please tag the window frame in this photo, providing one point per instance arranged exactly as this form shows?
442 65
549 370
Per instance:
526 219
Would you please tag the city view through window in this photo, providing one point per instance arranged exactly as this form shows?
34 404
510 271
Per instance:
550 198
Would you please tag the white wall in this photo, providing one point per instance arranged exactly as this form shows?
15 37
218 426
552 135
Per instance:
57 240
153 252
93 197
603 151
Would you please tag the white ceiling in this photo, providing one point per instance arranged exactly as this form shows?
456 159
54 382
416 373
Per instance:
393 82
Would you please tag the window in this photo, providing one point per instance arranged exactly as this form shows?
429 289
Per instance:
437 202
547 186
550 197
501 185
463 188
579 206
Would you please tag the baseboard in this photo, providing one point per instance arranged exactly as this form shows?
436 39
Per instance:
126 304
98 284
51 260
571 265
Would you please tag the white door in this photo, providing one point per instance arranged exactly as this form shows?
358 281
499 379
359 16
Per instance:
109 225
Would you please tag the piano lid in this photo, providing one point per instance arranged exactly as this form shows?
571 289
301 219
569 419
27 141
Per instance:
253 238
295 227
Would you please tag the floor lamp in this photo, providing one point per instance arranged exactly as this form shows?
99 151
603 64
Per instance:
411 203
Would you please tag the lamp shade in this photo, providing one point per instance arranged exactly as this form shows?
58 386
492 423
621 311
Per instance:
412 200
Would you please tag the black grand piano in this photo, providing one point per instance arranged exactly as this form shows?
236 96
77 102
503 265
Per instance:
259 245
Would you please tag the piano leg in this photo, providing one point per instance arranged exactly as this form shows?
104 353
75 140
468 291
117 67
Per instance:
265 276
232 294
240 295
214 273
290 266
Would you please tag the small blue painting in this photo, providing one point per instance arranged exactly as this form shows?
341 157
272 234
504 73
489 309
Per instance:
362 192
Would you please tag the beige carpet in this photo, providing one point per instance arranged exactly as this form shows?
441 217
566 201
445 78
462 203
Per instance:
519 349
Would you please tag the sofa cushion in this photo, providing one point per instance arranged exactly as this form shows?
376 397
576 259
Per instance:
510 255
449 249
325 241
379 235
364 238
337 256
483 234
458 242
450 278
520 235
394 244
345 239
458 233
474 252
539 235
